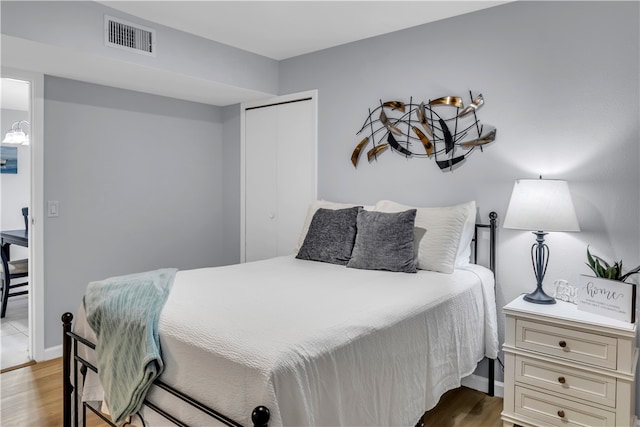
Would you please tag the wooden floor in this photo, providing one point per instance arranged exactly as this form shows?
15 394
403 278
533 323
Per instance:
465 407
32 396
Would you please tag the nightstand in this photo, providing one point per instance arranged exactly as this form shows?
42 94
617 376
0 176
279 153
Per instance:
563 366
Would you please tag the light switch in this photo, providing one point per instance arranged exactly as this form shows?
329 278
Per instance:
53 208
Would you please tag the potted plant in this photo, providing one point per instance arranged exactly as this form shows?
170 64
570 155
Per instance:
603 269
607 293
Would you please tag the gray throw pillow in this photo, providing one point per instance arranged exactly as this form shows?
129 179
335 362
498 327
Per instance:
385 241
331 236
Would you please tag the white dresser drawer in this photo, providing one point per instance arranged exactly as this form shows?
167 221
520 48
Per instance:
566 367
548 410
567 343
567 381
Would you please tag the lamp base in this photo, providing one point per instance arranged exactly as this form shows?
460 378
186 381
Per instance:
539 297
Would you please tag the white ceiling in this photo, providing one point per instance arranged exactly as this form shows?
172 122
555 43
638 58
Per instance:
283 29
275 29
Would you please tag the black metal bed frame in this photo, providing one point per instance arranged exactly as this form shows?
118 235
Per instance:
260 415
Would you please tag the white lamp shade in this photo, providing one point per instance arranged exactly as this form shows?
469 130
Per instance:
541 205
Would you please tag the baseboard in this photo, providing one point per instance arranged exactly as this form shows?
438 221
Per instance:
53 352
479 383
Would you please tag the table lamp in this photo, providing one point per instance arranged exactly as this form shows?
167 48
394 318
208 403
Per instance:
543 205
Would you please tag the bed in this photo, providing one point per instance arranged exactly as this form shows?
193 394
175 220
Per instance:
286 341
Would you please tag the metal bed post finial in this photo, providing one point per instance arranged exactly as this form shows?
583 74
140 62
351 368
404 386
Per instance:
260 416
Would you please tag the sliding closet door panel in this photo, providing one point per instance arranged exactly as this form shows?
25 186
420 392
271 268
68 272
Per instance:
280 173
261 211
296 171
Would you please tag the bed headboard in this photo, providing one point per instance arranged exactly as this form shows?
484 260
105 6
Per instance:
492 226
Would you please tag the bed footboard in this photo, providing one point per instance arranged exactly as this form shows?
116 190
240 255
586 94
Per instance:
74 367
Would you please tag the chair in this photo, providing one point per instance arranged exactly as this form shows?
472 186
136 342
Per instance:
11 270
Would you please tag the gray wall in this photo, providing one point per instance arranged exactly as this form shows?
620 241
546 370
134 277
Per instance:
561 84
139 179
79 25
231 191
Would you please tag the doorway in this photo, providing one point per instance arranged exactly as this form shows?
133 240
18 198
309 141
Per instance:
15 177
22 108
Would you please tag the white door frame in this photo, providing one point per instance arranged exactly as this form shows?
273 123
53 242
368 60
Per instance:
36 209
313 94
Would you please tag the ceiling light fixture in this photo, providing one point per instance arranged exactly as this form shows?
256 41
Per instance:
16 135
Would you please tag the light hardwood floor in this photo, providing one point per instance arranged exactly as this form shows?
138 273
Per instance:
465 407
32 396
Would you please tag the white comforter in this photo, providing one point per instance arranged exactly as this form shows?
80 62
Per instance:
320 344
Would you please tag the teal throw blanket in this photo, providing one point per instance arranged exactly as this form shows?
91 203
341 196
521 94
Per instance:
124 312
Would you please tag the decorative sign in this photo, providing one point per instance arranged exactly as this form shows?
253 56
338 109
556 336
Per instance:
442 128
610 298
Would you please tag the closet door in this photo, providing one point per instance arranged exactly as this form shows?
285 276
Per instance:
280 175
261 142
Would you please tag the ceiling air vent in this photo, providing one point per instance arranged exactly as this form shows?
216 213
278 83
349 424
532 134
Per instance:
129 36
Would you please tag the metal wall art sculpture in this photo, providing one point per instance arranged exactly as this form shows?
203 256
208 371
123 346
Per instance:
443 128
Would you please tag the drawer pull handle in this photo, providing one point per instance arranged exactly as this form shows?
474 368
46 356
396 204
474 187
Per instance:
562 344
561 413
561 380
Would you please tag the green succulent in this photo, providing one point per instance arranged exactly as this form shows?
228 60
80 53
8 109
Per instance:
602 268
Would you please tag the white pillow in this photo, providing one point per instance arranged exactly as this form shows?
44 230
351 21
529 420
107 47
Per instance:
313 207
464 249
440 231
